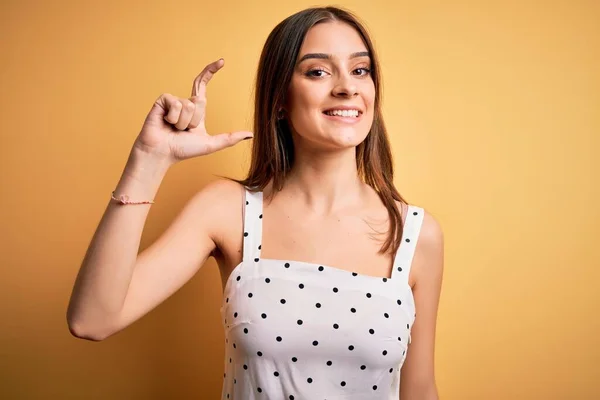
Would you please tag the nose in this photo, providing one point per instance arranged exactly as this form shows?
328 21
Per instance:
345 87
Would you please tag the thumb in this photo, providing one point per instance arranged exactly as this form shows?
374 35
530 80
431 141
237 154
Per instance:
223 140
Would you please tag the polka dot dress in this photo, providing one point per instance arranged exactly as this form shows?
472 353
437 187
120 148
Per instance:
298 330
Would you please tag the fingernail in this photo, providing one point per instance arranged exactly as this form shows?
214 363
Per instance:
249 137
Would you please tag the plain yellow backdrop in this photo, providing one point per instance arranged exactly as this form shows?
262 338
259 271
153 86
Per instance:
493 108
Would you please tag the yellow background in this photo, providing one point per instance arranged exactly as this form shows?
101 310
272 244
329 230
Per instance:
493 108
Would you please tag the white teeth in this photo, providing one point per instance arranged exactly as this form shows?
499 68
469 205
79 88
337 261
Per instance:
343 113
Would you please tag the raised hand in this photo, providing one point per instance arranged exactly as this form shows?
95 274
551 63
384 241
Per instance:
175 127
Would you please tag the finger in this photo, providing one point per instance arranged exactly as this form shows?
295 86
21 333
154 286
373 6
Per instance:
173 108
199 112
199 87
187 112
223 140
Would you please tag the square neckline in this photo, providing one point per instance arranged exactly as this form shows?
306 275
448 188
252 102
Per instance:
404 270
327 266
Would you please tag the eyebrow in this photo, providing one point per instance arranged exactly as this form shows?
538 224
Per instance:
323 56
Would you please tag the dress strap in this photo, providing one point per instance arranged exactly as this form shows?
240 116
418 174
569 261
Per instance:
410 235
253 206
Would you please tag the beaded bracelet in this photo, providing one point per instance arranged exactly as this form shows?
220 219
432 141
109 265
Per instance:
124 199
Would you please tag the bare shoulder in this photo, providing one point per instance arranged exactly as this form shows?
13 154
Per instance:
431 231
226 212
223 192
216 204
429 251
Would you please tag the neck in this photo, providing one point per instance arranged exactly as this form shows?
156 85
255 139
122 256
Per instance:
325 182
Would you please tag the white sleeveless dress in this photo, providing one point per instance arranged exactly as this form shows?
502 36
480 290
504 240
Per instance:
297 330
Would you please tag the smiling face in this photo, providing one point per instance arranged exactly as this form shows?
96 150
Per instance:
332 73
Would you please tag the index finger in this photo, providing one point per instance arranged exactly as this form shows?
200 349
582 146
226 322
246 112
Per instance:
199 87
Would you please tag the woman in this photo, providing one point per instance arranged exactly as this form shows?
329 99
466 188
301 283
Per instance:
328 273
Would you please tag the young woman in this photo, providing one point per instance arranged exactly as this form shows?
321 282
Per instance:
329 276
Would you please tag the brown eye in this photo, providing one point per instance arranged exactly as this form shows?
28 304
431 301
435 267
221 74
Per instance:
366 71
315 73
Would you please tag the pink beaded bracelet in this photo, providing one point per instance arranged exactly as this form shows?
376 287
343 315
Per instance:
124 199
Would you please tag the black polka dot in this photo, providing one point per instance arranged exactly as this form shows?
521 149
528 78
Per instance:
245 234
246 331
335 326
279 338
287 265
260 216
263 315
291 397
267 280
321 268
371 331
385 279
391 369
227 301
256 260
299 322
329 363
350 347
343 383
315 343
399 339
415 213
276 373
246 202
374 387
234 346
309 380
259 246
399 302
363 367
238 278
259 390
369 295
386 315
353 309
354 274
282 301
407 240
399 269
249 294
384 353
245 366
318 305
301 286
335 290
407 326
259 353
235 314
294 359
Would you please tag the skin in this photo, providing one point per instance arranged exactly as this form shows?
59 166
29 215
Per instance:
324 206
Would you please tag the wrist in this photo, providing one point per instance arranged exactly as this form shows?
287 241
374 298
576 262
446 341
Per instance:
146 167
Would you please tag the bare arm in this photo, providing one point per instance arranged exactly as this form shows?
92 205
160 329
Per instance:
418 379
116 286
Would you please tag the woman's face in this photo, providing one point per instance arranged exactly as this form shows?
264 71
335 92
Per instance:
332 74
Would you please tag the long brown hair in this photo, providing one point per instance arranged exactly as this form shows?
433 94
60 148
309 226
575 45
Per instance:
273 148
